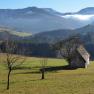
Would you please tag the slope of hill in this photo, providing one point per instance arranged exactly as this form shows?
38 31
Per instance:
86 29
8 33
86 33
88 10
52 36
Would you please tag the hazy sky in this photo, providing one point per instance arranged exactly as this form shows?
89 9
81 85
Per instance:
60 5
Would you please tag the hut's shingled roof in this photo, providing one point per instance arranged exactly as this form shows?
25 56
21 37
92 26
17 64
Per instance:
83 52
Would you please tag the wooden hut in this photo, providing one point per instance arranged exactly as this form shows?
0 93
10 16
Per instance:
81 59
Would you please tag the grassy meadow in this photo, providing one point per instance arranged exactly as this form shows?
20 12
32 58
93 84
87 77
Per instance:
26 79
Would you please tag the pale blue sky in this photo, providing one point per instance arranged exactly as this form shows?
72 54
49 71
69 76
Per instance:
59 5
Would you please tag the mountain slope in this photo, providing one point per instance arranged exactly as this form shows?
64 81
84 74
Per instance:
88 10
86 33
86 29
8 33
52 36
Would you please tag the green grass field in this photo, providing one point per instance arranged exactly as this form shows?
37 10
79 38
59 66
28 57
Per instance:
27 79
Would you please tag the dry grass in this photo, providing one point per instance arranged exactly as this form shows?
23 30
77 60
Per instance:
27 80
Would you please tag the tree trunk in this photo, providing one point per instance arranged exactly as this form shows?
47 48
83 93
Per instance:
43 72
8 79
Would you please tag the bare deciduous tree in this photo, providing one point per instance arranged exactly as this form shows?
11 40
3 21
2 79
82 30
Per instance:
43 66
12 60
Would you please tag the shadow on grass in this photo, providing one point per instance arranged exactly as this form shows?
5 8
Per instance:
48 69
57 68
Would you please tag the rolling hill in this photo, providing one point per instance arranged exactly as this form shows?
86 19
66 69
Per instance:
8 33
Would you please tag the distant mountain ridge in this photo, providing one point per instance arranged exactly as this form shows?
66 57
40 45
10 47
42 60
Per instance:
88 10
29 19
84 11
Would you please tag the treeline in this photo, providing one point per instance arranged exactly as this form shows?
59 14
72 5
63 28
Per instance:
32 49
41 49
